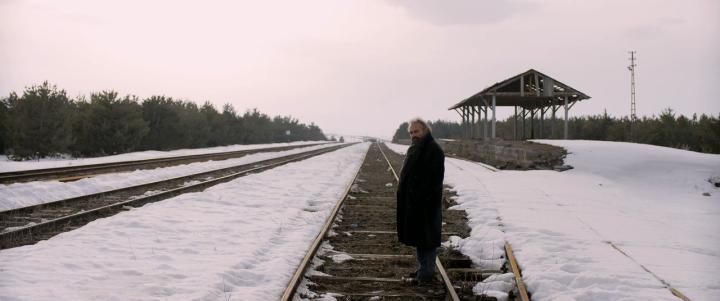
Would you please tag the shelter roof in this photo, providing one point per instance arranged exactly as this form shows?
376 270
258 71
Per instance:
529 89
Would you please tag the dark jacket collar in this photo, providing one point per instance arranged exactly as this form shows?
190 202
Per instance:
425 141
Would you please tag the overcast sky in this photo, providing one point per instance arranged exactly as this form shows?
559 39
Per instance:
363 67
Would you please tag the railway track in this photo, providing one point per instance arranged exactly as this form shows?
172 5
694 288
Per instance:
519 293
72 173
31 224
361 258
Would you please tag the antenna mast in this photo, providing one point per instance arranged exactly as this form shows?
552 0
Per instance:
633 115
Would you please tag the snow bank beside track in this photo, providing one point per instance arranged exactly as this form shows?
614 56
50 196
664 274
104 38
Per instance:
240 240
654 203
24 194
7 165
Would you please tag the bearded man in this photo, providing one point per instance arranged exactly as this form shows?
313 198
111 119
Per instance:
419 198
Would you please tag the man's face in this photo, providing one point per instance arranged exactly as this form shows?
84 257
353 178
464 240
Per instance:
416 132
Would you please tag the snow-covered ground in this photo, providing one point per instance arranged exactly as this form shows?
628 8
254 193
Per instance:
8 165
653 203
26 194
243 239
240 240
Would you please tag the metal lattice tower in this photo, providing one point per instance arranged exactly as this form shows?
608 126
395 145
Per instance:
633 115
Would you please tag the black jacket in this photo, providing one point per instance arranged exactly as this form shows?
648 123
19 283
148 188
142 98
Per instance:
419 195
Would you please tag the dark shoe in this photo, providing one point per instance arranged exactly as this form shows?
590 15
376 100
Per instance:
413 281
409 280
424 280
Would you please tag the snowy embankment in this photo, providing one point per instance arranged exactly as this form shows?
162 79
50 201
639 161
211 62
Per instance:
240 240
398 148
8 165
26 194
653 203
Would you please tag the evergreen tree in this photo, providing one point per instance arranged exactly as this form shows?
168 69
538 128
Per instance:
402 133
214 123
165 131
257 126
43 121
38 122
234 129
108 125
697 133
194 126
4 115
314 133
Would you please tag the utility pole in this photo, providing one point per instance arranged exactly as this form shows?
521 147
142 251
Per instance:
633 115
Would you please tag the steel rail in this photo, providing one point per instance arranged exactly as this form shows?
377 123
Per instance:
516 271
150 184
290 289
59 172
15 237
666 284
515 267
443 274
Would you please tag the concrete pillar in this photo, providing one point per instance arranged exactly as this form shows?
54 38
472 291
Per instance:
465 122
472 123
464 126
479 121
542 122
493 116
485 124
552 124
566 117
524 129
515 125
532 123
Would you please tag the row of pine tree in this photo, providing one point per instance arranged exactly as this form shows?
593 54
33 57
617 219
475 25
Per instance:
44 121
698 133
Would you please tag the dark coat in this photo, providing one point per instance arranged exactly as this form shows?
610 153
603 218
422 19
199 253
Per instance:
419 195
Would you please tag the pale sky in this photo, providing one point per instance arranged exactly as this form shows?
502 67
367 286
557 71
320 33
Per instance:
363 67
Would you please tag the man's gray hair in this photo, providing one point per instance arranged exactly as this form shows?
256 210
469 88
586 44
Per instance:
421 122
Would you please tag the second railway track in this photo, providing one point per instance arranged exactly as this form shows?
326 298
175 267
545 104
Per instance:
31 224
72 173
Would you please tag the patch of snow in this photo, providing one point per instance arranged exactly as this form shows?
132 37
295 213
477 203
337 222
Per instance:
19 195
453 242
646 200
498 286
339 258
398 148
240 240
9 165
356 189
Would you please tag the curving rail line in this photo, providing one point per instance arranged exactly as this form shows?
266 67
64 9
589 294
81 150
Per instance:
31 224
72 173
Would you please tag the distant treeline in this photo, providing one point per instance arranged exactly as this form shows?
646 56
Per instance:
43 121
699 133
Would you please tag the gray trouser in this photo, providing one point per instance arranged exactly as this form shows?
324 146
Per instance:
426 259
